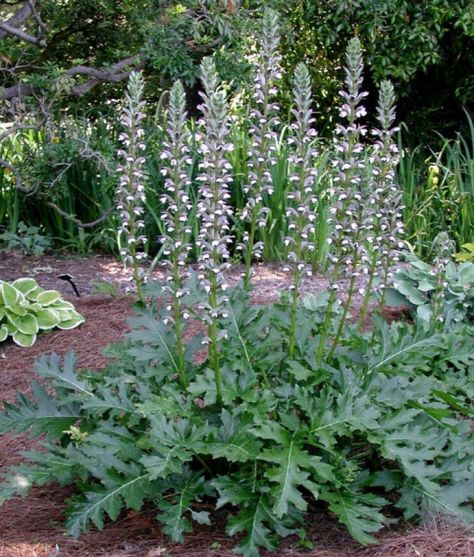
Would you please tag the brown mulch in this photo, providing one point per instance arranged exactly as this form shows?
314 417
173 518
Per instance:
32 526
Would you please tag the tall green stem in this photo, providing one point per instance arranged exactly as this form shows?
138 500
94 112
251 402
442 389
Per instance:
365 304
249 248
345 312
136 276
178 329
294 313
325 327
213 341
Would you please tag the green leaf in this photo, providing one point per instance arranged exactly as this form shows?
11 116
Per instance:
291 472
415 445
174 443
254 518
23 340
11 296
453 402
187 488
3 332
394 298
424 312
48 297
47 318
27 325
152 340
412 293
73 320
299 372
454 500
130 492
400 344
40 415
64 377
232 441
25 285
359 512
204 386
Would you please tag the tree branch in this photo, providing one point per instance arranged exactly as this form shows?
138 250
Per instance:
10 30
19 17
112 75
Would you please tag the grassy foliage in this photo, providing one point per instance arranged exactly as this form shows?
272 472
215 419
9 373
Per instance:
439 192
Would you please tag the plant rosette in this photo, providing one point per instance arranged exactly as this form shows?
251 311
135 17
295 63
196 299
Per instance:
27 309
381 432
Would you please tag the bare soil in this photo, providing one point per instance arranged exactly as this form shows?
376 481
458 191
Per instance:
32 526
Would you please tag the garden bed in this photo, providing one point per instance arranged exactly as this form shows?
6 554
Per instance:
33 526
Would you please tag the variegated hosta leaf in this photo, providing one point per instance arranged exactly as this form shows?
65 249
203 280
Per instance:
26 309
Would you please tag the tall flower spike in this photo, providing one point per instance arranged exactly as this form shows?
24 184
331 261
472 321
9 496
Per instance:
301 213
383 217
444 248
131 187
213 208
176 162
346 196
262 140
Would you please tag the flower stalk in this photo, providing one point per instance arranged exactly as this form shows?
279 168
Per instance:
301 212
345 195
262 141
131 188
214 211
383 216
176 161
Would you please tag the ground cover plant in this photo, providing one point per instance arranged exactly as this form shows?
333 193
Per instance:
266 410
26 309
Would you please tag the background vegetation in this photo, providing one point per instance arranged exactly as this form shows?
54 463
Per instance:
64 66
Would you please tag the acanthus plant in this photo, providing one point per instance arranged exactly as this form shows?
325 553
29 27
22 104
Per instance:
214 211
301 212
176 160
262 141
131 188
366 201
383 206
251 430
347 203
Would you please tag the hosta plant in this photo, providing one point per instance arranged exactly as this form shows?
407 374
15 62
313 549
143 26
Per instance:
380 433
416 285
26 309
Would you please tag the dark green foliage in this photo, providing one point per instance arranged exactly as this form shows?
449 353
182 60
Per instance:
425 48
415 287
384 427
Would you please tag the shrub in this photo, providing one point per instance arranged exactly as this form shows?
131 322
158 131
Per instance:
27 239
